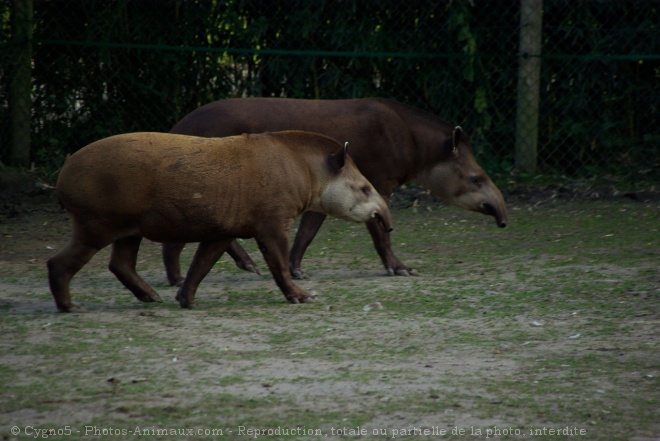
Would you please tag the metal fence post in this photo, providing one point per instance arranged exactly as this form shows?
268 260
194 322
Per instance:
529 78
20 97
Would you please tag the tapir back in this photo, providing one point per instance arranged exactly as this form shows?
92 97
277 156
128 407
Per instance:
380 141
188 187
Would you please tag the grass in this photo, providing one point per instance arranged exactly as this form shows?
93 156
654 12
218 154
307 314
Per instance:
551 322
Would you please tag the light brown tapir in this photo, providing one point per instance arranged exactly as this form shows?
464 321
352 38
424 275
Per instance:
175 188
391 143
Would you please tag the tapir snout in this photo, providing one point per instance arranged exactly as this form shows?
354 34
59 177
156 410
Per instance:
494 206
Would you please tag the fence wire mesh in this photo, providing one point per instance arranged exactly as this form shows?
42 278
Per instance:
102 67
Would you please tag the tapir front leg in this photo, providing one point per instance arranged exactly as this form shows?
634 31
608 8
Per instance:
274 247
383 245
206 256
310 223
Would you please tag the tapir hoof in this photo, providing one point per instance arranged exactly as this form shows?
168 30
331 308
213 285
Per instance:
405 272
150 298
298 274
183 300
175 280
184 303
72 307
249 267
299 300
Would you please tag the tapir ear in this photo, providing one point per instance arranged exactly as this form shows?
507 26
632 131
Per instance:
456 139
338 159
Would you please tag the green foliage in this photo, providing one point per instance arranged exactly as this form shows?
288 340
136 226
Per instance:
102 68
601 110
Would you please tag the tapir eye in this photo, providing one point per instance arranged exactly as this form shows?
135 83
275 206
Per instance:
476 180
366 190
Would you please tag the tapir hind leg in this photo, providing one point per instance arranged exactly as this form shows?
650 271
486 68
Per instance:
61 269
171 255
310 223
274 249
206 256
122 264
242 258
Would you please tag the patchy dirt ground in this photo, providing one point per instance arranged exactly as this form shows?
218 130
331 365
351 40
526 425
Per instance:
547 329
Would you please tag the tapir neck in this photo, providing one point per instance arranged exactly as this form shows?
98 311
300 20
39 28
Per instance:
429 134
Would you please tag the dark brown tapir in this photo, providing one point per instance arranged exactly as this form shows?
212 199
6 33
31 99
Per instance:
391 144
175 188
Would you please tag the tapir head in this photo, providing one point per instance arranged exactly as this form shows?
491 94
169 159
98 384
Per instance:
457 179
347 194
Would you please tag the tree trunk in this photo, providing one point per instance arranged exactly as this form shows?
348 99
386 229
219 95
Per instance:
529 81
20 88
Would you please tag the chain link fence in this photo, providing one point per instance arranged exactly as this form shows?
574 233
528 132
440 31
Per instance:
102 67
